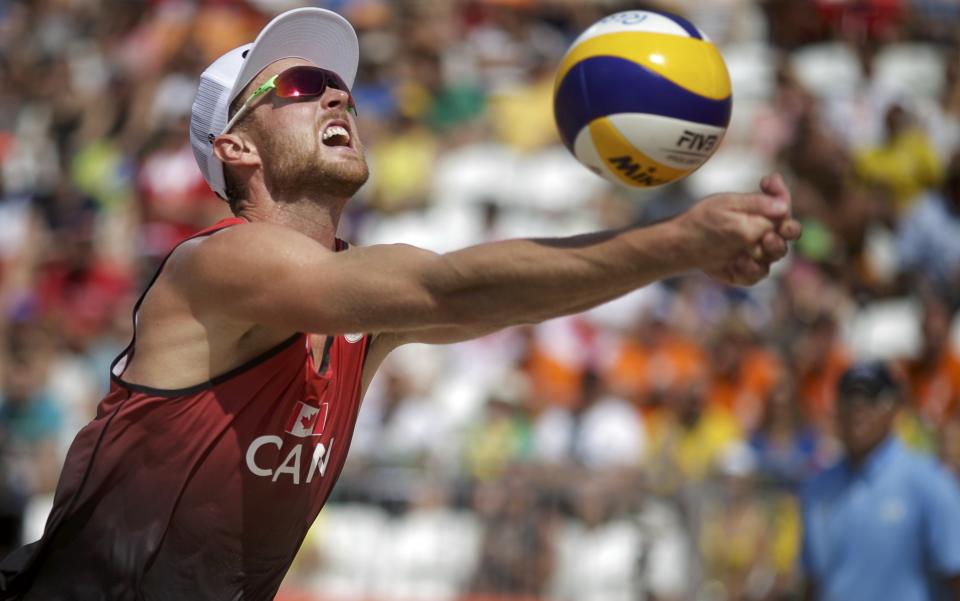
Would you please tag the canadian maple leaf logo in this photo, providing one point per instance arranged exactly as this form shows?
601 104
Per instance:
306 420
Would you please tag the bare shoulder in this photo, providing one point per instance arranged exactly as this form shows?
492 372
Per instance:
187 329
238 258
248 242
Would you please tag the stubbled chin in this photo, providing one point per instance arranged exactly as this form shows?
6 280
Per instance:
346 171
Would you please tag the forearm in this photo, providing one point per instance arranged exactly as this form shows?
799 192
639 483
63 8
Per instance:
525 281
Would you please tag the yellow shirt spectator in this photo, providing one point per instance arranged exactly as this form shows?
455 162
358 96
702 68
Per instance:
907 164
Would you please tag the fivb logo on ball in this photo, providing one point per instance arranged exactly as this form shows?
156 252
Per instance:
642 98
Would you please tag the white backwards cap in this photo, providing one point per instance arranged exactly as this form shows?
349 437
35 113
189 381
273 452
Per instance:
318 35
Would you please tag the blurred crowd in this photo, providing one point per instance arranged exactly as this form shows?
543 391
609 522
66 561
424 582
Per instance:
649 449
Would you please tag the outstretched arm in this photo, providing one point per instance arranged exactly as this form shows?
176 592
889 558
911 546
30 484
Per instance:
714 256
266 274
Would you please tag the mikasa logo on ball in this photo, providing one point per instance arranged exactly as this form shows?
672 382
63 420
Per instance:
642 174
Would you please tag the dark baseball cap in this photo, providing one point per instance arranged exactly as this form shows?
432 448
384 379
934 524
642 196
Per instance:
868 379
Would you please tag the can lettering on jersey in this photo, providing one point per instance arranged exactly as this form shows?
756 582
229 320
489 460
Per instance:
292 464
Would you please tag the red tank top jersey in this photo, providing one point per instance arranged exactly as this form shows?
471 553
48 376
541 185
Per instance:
200 493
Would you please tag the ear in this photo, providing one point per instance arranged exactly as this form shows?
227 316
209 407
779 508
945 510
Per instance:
236 150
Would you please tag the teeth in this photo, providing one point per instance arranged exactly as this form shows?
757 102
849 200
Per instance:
335 130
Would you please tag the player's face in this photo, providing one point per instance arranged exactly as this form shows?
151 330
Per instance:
307 145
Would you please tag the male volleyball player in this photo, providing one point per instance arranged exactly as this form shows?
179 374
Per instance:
231 411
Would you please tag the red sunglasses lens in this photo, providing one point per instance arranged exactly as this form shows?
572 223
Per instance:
299 82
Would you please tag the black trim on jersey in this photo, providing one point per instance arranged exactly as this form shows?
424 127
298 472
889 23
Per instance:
173 392
325 359
366 351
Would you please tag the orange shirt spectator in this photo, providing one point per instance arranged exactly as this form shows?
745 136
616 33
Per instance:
743 391
818 388
818 359
559 352
935 386
742 373
933 376
653 360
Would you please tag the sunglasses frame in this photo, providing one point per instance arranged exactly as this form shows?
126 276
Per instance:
271 84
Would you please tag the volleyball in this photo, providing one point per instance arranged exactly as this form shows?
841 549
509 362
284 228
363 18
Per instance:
642 98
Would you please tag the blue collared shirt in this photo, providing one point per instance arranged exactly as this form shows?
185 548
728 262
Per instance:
888 531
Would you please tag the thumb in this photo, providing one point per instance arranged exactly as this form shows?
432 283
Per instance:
773 185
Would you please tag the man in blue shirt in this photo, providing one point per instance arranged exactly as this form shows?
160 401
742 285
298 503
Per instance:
884 523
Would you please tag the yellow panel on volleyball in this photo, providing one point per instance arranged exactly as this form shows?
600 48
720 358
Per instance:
629 164
695 65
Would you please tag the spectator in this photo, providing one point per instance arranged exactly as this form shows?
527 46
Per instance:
30 420
950 445
787 450
650 358
688 436
502 436
601 431
819 357
905 162
933 376
742 373
517 551
620 545
883 523
929 236
748 540
78 289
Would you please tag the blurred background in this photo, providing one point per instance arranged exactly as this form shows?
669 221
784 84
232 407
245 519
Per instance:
651 449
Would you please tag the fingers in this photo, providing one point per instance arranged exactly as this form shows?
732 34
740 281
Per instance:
757 229
747 271
754 265
770 207
790 229
773 202
774 247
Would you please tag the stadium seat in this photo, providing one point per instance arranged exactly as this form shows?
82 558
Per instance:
828 69
912 69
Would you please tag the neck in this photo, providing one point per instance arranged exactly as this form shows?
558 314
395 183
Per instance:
317 218
856 459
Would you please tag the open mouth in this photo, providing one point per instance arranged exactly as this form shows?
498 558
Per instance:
336 134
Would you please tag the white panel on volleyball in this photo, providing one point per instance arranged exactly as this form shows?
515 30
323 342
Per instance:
673 142
634 20
587 154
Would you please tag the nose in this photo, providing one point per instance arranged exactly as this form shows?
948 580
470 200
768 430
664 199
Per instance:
333 98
